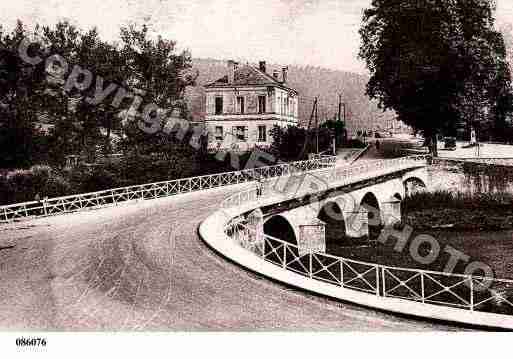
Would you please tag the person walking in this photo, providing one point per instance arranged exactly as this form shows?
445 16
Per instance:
259 186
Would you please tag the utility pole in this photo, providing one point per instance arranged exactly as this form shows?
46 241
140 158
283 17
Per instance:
316 127
340 104
307 139
334 142
339 107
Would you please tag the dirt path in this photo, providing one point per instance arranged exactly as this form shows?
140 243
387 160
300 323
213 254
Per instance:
143 267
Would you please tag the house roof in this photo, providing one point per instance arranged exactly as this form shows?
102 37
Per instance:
247 75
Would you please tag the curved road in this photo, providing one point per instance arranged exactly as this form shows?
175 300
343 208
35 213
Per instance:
143 267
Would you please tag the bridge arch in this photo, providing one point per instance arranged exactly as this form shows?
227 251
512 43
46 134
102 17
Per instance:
413 185
391 210
331 213
371 206
281 228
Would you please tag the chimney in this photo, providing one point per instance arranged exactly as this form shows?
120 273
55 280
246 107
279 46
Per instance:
262 66
285 72
275 74
232 67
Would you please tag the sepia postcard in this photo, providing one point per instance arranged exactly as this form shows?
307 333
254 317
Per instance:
326 169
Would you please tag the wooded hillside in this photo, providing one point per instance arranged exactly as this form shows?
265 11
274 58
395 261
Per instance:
310 81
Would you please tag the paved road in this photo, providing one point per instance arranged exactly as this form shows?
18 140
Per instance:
143 267
487 150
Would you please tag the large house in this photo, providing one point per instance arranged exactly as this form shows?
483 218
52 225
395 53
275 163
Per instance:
243 106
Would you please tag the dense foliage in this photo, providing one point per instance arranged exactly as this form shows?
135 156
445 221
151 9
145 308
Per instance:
295 143
459 211
437 63
45 181
338 130
72 93
101 88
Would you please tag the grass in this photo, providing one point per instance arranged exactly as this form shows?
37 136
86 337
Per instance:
459 211
493 248
468 214
457 200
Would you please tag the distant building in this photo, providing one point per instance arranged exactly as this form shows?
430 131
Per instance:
243 106
394 125
44 128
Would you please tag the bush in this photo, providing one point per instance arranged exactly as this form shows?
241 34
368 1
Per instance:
288 143
134 170
23 185
98 179
355 143
457 200
459 211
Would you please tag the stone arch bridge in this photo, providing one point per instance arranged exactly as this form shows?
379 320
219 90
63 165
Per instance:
340 214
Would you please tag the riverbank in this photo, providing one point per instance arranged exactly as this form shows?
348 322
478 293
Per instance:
458 211
459 220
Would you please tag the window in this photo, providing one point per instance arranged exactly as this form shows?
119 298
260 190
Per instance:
262 133
240 133
261 104
219 133
219 105
240 104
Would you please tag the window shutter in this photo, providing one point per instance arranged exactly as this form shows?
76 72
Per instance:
231 104
211 134
252 104
254 134
211 105
233 134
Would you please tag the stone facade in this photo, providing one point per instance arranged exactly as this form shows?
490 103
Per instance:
245 105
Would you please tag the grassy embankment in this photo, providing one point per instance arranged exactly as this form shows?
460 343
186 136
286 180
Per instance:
459 211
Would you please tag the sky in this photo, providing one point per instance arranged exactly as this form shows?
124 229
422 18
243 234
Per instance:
301 32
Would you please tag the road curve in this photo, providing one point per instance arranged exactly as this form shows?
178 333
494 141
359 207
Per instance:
143 267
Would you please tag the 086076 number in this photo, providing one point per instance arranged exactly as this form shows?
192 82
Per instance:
30 342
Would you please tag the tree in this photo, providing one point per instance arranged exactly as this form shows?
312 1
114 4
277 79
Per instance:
59 105
157 74
20 88
105 64
435 62
61 90
338 129
287 143
78 122
156 70
485 81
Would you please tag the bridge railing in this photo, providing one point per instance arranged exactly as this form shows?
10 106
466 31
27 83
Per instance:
459 291
338 177
378 167
79 202
470 293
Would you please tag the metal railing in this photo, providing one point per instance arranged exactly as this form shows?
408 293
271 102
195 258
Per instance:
111 197
339 177
472 293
